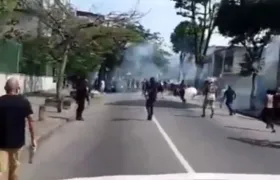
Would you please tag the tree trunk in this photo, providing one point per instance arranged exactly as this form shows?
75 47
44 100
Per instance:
252 94
60 79
181 64
199 69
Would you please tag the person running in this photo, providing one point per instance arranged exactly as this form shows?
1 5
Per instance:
81 96
210 93
182 87
144 87
151 97
268 113
15 109
229 96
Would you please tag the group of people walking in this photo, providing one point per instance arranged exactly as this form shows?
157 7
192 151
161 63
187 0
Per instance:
210 92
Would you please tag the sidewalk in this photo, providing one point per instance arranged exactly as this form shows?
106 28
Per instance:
244 126
53 120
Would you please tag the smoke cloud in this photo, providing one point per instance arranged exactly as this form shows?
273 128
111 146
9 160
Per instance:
139 63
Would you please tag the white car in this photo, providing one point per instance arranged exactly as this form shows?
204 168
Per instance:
187 176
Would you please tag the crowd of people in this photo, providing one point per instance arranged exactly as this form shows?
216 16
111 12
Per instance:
12 125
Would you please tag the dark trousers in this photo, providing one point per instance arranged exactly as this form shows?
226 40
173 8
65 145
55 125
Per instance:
80 109
268 116
150 108
229 106
182 95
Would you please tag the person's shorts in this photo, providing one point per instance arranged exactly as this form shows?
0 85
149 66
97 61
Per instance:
9 156
209 103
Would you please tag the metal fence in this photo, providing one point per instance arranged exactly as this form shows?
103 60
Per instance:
10 56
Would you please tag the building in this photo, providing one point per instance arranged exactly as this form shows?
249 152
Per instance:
224 63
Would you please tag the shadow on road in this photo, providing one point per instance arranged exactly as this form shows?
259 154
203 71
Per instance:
258 142
43 94
160 103
60 118
249 129
189 116
126 119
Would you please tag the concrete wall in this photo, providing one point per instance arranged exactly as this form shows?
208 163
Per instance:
267 78
28 83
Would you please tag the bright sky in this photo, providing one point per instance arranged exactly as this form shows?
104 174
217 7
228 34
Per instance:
161 15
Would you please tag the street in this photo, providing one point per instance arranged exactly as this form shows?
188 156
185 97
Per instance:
116 139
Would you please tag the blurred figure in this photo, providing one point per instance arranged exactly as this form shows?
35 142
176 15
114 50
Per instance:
229 96
102 86
144 87
151 97
81 96
276 104
268 113
182 87
160 88
210 93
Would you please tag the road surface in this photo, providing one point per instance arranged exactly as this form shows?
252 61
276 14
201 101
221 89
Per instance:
115 139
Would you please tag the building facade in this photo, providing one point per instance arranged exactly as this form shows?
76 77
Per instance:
225 62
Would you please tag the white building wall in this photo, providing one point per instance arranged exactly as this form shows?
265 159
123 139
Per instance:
28 83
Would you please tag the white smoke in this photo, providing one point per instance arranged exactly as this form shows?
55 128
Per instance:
138 61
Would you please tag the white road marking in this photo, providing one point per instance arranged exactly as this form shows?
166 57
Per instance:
172 146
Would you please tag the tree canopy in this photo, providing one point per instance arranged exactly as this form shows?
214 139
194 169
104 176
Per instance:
251 24
183 38
199 15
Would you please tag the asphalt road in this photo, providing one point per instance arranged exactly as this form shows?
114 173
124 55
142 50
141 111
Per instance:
115 139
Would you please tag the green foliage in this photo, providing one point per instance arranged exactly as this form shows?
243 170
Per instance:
183 38
6 7
252 25
146 34
200 17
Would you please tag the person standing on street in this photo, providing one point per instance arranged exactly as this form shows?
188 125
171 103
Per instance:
230 96
81 96
144 87
182 88
15 109
268 113
210 93
151 97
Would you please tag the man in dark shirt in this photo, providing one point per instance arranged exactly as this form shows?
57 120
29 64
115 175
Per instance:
230 96
81 96
14 110
151 97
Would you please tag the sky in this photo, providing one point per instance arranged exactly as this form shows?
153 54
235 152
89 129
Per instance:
160 15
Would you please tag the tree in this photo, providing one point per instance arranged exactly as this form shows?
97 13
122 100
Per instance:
200 14
183 41
252 25
35 56
7 6
8 21
65 28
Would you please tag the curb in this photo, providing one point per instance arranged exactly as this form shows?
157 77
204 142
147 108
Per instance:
248 114
47 135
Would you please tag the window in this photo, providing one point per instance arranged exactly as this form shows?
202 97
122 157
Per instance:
228 61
